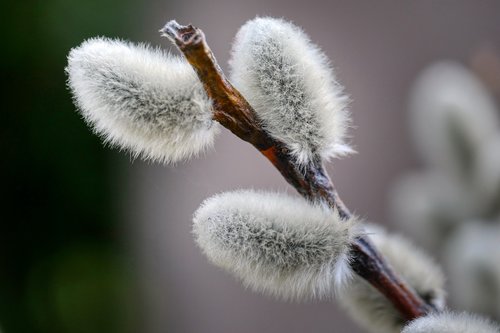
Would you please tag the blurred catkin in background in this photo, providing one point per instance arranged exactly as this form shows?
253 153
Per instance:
452 204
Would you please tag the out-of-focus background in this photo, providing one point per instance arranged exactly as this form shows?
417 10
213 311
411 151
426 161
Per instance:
92 241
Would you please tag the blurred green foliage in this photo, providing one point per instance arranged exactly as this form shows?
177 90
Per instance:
62 266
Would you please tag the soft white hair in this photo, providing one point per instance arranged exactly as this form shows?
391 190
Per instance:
369 307
141 99
275 243
472 257
448 322
451 113
289 82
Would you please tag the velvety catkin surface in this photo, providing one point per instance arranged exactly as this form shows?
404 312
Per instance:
276 244
289 82
141 99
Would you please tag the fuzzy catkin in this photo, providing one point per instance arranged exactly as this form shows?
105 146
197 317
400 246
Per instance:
276 244
487 172
369 307
451 114
447 322
141 99
290 84
430 205
472 256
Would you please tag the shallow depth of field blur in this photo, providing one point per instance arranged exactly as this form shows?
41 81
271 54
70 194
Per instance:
93 241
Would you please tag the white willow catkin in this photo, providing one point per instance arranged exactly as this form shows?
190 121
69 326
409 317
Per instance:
276 244
430 204
447 322
487 171
369 307
141 99
472 256
289 82
451 113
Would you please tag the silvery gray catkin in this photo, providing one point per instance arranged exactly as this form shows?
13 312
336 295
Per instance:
472 257
369 307
276 244
290 84
446 322
141 99
451 115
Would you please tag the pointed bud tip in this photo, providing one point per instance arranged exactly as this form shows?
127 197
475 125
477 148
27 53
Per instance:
169 29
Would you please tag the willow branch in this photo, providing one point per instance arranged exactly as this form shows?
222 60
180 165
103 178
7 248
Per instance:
312 181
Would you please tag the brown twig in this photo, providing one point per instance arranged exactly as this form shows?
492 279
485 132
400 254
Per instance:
235 113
